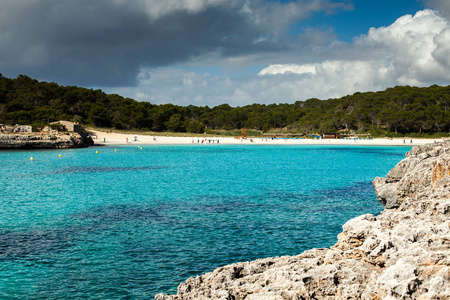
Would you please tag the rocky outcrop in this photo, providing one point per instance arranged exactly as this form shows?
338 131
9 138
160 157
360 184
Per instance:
423 174
44 141
403 253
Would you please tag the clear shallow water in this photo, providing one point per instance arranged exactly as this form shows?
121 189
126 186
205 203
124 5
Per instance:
133 223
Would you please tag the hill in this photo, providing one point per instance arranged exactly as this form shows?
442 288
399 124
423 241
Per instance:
400 110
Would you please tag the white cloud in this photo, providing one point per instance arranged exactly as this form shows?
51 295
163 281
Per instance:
415 50
408 44
289 68
442 51
171 85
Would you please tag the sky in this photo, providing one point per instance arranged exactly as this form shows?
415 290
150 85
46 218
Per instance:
211 52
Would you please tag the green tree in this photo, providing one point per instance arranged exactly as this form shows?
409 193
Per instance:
195 127
176 123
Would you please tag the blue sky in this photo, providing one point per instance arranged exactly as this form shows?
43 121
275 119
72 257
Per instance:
350 23
210 52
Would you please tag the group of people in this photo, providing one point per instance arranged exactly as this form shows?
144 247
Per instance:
204 141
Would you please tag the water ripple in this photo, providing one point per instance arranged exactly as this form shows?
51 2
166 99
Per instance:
130 224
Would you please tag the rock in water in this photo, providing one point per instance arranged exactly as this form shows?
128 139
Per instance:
403 253
45 140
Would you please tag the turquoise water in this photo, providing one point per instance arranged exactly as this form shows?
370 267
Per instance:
132 223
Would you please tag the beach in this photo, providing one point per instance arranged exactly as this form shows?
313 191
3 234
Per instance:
111 138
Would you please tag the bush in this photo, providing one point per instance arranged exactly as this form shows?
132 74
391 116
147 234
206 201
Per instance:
57 126
195 127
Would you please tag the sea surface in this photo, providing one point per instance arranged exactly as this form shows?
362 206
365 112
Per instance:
128 223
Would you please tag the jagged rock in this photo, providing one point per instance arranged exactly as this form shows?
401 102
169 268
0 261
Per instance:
386 192
423 174
45 141
403 253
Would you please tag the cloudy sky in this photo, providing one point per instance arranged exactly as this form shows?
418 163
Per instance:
209 52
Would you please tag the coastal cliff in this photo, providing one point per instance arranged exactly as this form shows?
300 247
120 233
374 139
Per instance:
403 253
44 140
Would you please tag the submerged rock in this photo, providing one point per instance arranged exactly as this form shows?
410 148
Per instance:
403 253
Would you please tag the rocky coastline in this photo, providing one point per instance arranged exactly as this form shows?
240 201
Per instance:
403 253
11 141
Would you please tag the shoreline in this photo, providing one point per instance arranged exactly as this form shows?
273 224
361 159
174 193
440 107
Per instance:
103 138
34 140
402 253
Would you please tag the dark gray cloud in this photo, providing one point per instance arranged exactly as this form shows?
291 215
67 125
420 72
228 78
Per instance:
442 6
106 42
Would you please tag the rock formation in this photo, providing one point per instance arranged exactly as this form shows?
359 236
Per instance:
403 253
44 140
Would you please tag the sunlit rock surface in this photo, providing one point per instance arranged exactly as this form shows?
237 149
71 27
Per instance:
44 141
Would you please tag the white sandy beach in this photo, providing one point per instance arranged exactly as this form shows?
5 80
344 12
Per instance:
124 139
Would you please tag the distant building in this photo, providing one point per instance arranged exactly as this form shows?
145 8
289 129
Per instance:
70 126
330 135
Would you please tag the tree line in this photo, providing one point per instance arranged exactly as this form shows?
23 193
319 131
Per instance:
401 110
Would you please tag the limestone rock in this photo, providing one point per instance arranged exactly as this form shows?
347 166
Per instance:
45 140
403 253
386 192
423 174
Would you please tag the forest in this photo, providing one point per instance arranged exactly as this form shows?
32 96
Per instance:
398 111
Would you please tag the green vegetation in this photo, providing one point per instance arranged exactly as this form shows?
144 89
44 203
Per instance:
398 111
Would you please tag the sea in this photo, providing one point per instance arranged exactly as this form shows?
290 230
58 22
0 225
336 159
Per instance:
129 222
